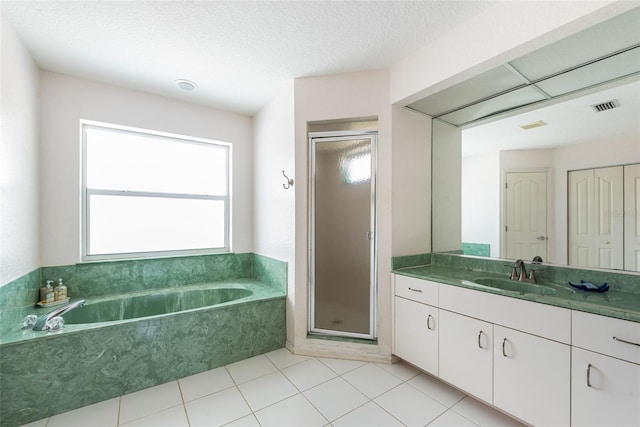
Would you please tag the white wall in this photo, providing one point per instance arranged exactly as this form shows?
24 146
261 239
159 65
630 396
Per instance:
411 186
481 200
274 221
19 221
65 100
353 95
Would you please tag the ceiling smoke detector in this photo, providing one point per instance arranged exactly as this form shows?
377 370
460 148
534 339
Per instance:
187 85
533 125
604 106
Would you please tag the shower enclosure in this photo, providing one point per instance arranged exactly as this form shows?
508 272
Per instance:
342 234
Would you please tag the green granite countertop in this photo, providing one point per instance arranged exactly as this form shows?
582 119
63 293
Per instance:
618 303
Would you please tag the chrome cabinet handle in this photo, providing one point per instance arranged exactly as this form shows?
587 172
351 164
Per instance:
589 375
504 341
479 343
415 290
625 341
429 317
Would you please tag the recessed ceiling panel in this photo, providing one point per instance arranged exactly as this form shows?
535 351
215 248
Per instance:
517 98
614 67
604 39
494 81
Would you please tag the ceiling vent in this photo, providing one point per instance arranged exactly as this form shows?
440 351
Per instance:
604 106
533 125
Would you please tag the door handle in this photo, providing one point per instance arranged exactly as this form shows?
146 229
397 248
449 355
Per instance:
429 317
542 238
369 235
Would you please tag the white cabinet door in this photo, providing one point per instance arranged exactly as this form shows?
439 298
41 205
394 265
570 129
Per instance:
416 334
531 377
466 354
604 391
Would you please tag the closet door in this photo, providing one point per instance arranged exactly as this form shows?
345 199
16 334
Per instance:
595 218
632 217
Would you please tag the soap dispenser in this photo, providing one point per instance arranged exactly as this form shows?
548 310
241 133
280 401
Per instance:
47 293
60 291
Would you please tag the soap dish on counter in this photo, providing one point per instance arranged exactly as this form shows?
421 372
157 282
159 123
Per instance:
54 303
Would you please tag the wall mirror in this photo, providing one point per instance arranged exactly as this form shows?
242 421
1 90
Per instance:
570 106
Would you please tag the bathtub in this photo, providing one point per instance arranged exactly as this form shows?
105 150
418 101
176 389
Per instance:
119 344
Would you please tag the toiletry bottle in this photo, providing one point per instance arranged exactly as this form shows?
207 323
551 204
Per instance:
43 291
50 294
61 291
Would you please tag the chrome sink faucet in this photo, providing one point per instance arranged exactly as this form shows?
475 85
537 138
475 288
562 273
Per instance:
41 323
519 272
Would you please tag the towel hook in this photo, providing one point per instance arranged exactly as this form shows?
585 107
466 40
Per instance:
289 183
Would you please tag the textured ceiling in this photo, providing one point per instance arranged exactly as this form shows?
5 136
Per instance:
240 53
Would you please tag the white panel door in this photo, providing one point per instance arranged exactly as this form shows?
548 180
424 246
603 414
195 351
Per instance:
596 218
531 377
604 391
526 215
632 217
466 354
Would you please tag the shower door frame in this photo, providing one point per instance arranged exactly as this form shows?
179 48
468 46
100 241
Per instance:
372 136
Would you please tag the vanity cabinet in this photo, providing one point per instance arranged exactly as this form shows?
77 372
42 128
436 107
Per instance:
511 353
466 354
605 371
531 377
416 324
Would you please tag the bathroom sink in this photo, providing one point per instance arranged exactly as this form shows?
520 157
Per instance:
515 286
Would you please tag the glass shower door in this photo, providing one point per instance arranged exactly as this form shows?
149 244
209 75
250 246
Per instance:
342 256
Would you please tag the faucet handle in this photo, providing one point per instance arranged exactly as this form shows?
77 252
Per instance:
532 273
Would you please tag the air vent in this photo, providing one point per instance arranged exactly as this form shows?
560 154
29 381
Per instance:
604 106
533 125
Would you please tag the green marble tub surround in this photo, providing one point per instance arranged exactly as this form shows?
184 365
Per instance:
47 373
621 301
43 377
476 249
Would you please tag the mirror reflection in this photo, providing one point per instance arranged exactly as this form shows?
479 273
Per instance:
531 183
557 178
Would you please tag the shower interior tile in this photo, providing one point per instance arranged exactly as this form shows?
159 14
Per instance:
205 383
249 369
149 401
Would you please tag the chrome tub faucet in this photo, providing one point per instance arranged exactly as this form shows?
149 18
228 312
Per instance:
41 323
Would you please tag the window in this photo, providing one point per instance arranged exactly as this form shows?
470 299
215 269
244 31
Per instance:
146 193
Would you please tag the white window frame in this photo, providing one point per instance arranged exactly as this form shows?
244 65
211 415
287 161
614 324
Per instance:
86 192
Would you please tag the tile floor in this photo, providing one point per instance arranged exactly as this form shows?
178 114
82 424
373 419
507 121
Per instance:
280 389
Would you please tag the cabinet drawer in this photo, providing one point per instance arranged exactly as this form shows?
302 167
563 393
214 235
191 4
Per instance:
606 335
534 318
417 290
